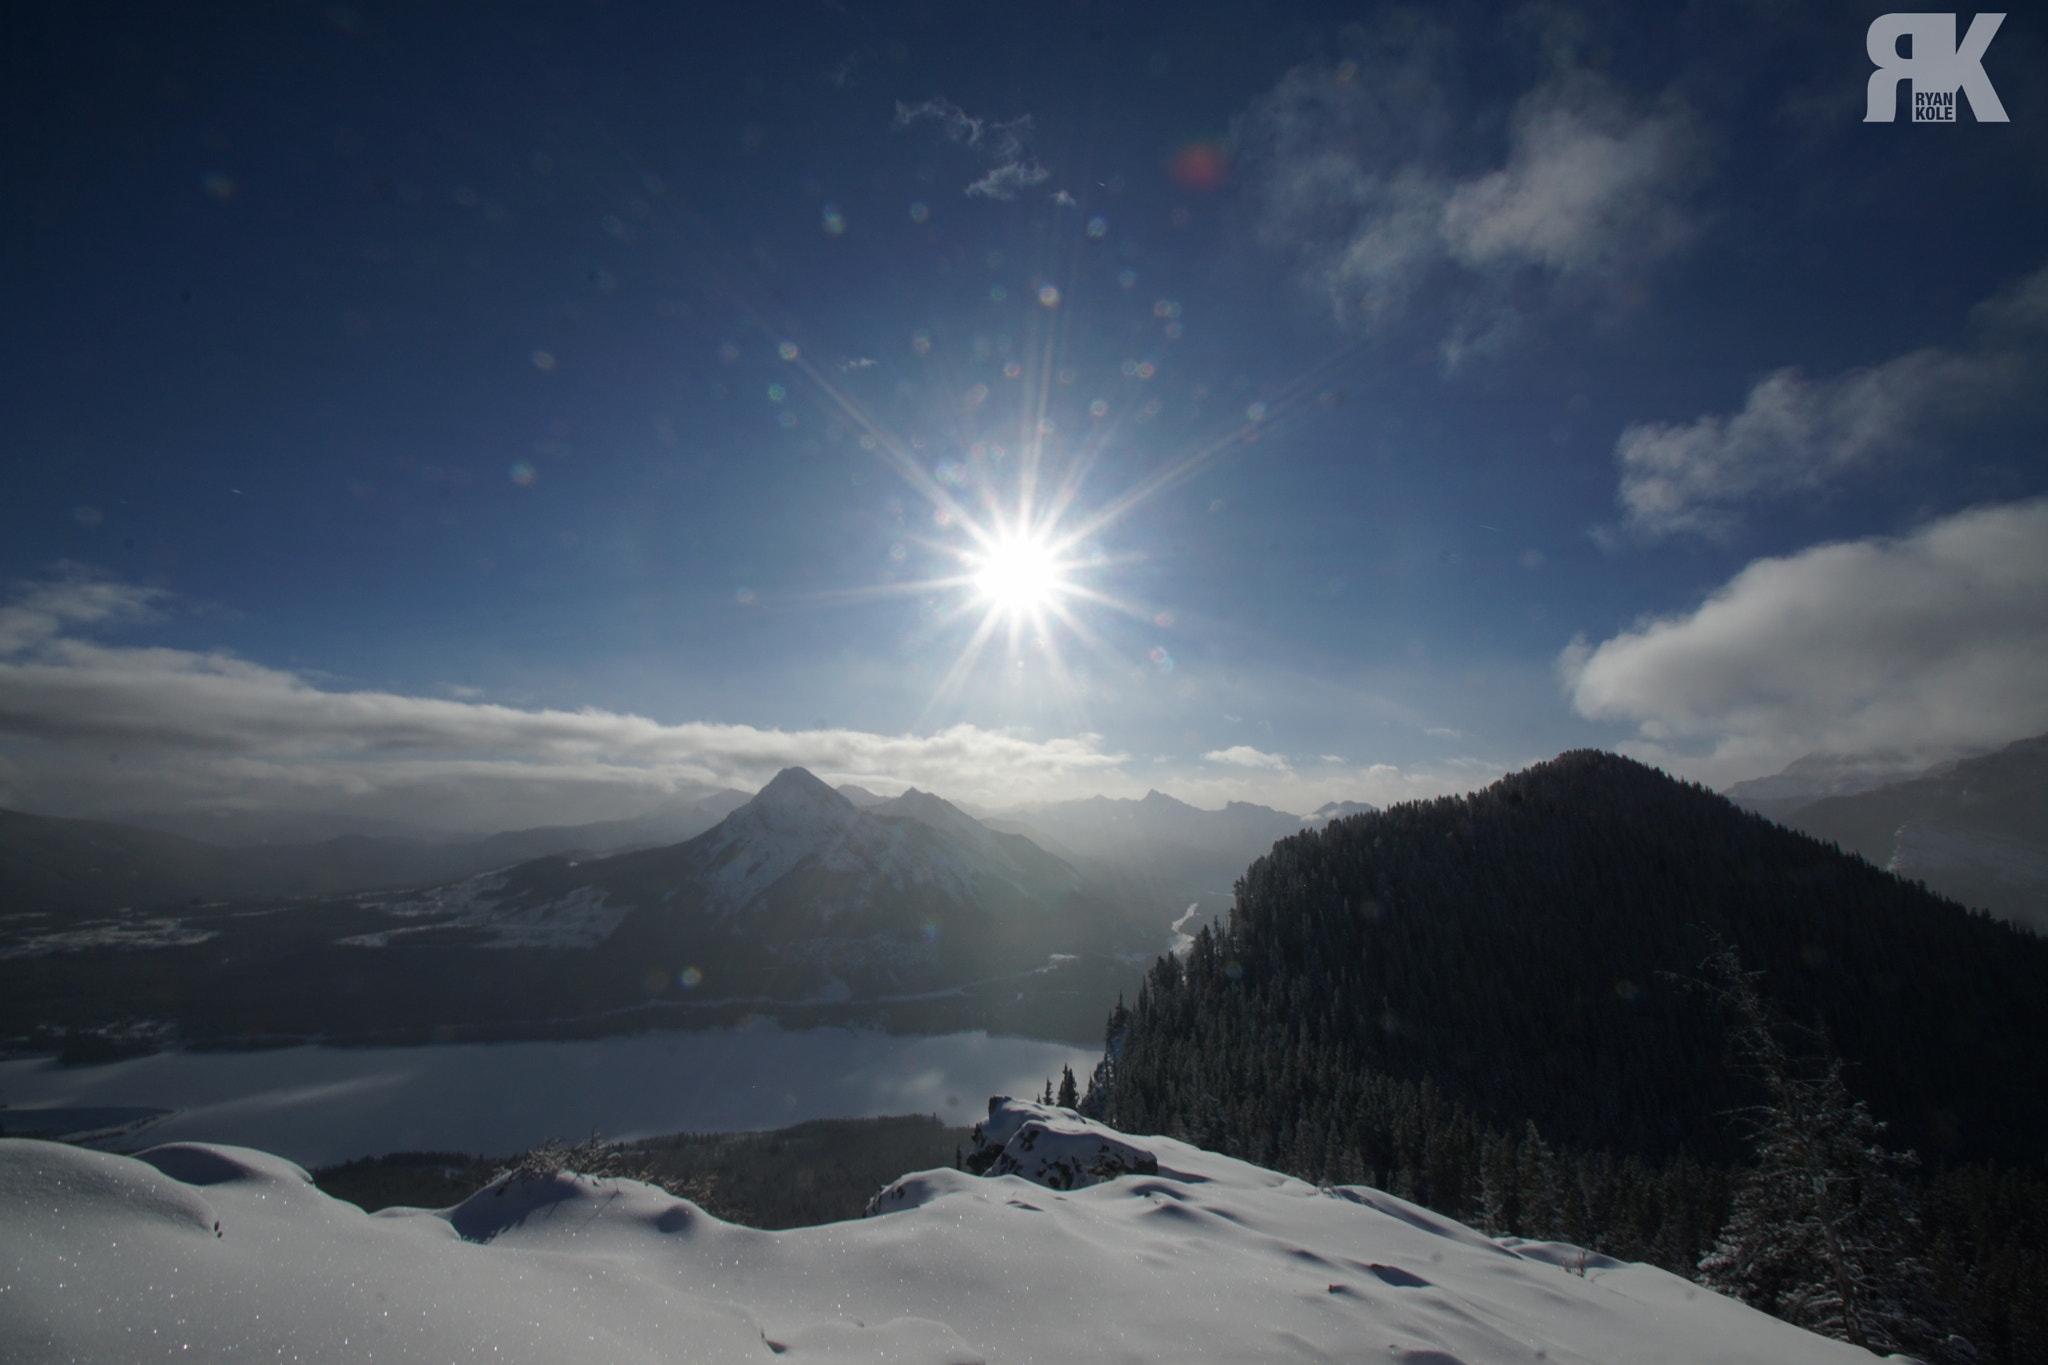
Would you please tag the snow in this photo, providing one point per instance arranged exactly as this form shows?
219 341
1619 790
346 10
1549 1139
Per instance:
1182 939
579 919
320 1105
121 935
222 1253
798 819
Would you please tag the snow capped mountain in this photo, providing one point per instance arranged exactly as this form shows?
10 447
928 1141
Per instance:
942 815
1082 1244
794 818
849 860
830 899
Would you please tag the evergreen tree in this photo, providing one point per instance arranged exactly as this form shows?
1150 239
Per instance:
1823 1232
1070 1090
1536 1187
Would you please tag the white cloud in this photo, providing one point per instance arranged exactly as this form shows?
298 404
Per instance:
1002 144
1357 173
1244 756
89 728
76 597
1926 645
92 728
1004 181
1796 435
1586 187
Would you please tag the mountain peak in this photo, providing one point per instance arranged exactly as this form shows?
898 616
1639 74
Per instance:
798 785
937 812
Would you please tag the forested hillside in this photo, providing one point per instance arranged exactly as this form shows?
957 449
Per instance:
1492 1004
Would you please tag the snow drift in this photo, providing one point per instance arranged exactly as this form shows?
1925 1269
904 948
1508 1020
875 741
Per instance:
200 1252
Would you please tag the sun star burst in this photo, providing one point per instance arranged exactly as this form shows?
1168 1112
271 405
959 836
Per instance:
1019 575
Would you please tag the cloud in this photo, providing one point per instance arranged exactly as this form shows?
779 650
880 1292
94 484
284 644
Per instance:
77 597
91 728
1004 181
1363 174
1587 187
1928 644
1001 144
1244 756
113 730
1796 435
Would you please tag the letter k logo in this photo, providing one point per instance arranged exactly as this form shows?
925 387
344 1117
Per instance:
1936 63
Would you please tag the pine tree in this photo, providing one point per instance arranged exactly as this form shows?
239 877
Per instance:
1823 1232
1070 1089
1536 1187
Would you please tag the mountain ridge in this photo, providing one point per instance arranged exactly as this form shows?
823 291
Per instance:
1974 829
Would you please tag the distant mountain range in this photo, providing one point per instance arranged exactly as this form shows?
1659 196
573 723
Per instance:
798 898
53 864
1173 851
1163 850
1975 829
801 893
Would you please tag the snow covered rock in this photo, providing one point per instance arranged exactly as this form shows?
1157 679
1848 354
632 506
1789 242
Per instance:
1053 1147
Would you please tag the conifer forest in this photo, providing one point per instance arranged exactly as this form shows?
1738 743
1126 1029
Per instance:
1594 1004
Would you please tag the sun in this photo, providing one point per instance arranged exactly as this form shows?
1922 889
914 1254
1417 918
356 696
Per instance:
1018 576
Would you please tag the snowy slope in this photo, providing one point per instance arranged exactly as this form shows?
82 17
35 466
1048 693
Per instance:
214 1253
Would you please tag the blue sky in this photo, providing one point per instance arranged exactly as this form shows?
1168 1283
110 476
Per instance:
499 414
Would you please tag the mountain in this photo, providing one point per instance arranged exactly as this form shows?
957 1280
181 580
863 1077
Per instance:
1197 1258
1524 951
1100 825
803 892
1492 1005
54 865
1975 830
1155 851
908 912
247 827
1814 776
62 867
1337 810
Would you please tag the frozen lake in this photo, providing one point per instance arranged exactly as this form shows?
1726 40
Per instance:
320 1105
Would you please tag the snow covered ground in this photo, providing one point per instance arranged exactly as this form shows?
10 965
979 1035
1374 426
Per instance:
215 1253
319 1105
